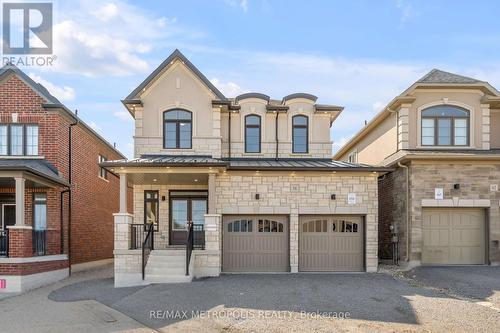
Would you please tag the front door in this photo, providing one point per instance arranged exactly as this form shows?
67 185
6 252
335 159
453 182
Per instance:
183 210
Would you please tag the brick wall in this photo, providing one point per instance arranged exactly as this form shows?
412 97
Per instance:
94 200
32 267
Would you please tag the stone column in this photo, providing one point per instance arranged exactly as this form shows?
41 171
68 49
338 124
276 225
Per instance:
213 244
294 241
123 193
20 197
122 230
211 193
486 130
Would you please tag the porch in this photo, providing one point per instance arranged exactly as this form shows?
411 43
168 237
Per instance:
32 232
173 233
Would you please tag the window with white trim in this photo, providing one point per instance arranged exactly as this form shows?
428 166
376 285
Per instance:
19 140
103 173
445 125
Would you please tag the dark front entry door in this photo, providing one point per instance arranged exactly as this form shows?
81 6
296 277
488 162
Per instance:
183 210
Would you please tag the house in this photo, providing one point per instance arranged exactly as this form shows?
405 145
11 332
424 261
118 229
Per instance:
442 138
243 184
55 200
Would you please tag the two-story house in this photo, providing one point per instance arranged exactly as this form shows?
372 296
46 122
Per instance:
442 137
55 200
243 184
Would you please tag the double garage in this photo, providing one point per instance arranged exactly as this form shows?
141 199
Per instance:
327 243
454 236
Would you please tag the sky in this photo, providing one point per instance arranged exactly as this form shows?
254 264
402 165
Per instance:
358 54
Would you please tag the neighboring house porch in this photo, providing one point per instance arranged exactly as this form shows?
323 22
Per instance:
32 237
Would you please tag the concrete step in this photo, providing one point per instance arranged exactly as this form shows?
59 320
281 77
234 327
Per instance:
168 253
165 271
168 279
166 259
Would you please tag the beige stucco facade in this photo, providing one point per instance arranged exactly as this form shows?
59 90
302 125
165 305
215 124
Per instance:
467 175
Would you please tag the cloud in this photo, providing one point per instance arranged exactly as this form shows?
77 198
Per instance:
229 89
406 9
123 115
95 39
242 4
64 93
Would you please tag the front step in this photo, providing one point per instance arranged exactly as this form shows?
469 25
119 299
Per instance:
167 266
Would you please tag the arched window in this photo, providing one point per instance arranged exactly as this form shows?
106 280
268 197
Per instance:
445 125
252 134
177 129
300 134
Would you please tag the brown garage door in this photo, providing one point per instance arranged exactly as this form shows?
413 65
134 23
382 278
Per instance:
331 244
453 236
255 244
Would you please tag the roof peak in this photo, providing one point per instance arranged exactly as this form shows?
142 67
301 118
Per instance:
439 76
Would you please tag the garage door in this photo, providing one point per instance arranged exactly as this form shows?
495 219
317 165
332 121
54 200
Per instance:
331 244
255 244
453 236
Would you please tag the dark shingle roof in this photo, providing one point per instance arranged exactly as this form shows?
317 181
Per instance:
289 164
37 167
439 76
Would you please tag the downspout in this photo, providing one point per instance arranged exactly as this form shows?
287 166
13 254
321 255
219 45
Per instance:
62 218
70 160
277 140
229 134
407 204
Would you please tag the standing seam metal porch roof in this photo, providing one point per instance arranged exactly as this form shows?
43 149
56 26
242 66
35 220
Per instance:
289 164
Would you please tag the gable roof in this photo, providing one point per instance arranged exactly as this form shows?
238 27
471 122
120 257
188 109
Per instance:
176 55
439 76
52 102
435 78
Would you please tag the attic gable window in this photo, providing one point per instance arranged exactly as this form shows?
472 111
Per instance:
177 129
445 125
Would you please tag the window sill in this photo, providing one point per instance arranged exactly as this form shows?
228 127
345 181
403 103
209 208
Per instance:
447 147
106 180
300 154
23 157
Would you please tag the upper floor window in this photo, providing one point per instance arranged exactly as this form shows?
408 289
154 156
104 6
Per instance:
177 129
353 157
18 139
252 134
102 172
445 125
300 134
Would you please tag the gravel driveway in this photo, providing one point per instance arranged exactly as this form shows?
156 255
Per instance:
290 303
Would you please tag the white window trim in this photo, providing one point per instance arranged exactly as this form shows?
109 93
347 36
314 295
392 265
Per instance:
447 102
355 154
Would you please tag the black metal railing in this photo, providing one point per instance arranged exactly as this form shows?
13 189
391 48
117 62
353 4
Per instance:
147 246
195 240
137 235
4 243
39 242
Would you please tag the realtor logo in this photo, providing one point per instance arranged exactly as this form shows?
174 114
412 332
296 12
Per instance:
27 28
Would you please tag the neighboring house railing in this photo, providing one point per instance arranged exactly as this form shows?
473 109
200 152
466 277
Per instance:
147 246
195 240
4 243
39 242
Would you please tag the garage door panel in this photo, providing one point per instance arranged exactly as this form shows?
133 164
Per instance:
330 243
261 246
453 236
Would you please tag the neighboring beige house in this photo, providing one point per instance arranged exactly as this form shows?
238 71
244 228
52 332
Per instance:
442 136
248 183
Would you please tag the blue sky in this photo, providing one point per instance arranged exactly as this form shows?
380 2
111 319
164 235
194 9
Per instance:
359 54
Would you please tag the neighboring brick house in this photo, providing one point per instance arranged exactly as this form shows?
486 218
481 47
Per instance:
442 137
250 178
36 186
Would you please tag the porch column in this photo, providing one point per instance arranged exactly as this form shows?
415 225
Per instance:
20 191
123 193
211 193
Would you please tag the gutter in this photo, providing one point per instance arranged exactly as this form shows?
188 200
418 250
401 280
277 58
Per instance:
277 140
407 206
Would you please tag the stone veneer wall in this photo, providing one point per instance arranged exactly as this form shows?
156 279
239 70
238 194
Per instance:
299 193
474 180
